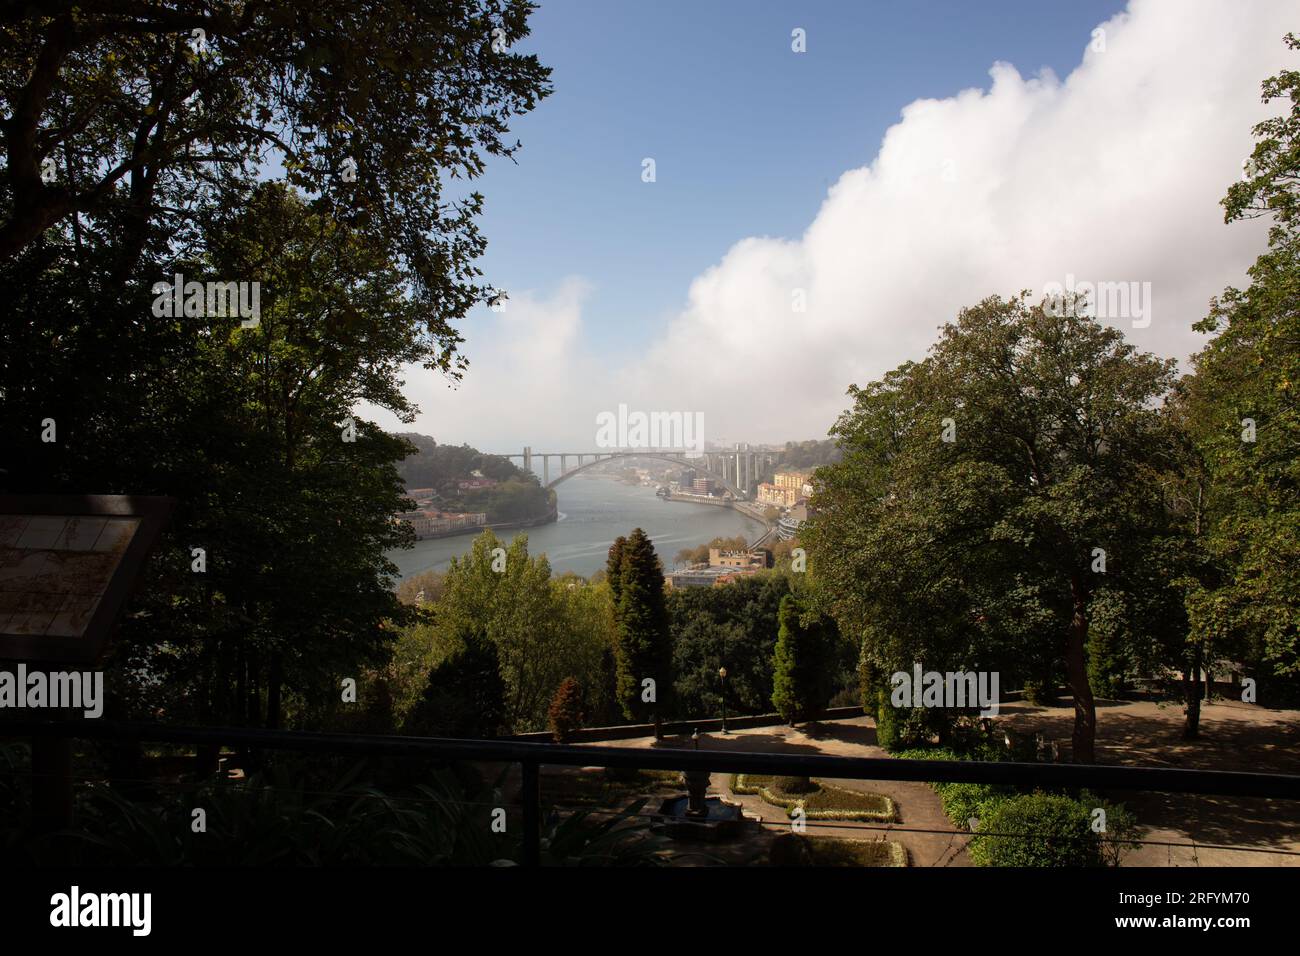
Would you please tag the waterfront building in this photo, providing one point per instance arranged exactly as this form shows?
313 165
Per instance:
788 527
705 577
754 560
429 523
771 494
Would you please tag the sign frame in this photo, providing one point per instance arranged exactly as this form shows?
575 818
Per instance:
90 647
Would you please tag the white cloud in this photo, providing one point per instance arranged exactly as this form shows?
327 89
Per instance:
524 382
1113 174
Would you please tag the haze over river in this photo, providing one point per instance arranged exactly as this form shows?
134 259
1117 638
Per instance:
593 512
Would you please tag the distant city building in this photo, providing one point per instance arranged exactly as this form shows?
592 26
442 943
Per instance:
473 484
771 494
420 494
754 560
705 577
687 478
703 485
790 525
429 523
793 480
786 489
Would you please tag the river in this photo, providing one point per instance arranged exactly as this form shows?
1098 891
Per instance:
593 512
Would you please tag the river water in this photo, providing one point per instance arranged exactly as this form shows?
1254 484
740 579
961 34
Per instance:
593 512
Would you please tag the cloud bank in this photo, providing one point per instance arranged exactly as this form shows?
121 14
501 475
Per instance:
1112 174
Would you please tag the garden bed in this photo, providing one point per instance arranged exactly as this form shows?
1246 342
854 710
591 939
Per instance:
823 802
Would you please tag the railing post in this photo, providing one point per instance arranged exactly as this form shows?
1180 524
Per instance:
530 793
51 783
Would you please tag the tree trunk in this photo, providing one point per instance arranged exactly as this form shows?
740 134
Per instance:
1076 667
1191 694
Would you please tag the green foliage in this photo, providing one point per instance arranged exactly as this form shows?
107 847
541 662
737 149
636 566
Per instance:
795 785
441 467
887 719
465 695
1037 830
1244 599
282 816
803 680
976 553
700 553
565 715
389 90
1107 640
360 278
735 626
818 800
898 728
641 617
544 630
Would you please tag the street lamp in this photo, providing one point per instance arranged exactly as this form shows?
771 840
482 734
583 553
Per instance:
722 674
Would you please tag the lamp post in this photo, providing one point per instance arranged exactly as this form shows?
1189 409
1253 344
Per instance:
722 674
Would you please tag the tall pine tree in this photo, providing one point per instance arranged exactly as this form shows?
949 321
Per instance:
644 641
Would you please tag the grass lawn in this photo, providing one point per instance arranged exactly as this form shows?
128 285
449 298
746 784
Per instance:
823 802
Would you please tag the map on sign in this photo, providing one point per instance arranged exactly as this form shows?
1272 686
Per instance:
56 569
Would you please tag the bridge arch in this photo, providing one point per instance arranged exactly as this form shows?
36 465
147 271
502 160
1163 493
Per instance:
658 456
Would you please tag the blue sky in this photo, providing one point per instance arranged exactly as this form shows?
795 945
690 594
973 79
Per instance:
918 158
747 135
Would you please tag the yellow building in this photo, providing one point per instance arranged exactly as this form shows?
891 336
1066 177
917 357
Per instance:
743 560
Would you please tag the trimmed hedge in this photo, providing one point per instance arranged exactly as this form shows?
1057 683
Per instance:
961 801
1038 829
1049 823
826 802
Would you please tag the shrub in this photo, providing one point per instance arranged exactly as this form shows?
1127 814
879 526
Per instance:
793 785
464 696
565 715
1037 829
886 723
900 728
802 681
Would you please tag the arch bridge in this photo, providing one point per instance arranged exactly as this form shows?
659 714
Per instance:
735 471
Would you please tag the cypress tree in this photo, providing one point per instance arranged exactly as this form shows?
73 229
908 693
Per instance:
803 682
644 641
614 569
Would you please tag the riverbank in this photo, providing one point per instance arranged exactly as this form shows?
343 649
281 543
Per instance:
747 508
549 518
590 515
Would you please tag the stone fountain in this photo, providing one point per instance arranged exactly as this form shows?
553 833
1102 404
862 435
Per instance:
695 816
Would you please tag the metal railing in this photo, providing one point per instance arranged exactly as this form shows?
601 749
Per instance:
531 756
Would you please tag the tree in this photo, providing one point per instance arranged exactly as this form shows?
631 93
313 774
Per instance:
566 712
987 492
465 695
149 111
137 139
644 641
1243 415
614 569
803 681
543 630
